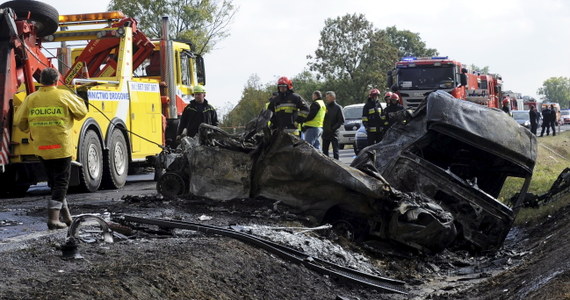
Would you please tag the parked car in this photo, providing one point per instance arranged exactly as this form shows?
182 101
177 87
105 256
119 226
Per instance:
565 116
361 140
352 121
522 117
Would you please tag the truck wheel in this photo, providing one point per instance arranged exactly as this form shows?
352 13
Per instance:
116 161
91 157
45 16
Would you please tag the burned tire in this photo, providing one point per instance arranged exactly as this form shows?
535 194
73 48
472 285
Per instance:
347 225
116 166
44 16
171 185
91 158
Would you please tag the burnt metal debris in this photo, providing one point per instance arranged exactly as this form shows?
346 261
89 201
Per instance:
431 183
384 284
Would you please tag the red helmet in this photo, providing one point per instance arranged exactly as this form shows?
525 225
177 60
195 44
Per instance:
374 92
394 96
284 81
388 95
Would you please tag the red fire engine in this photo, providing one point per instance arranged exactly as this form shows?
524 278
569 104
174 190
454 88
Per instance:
414 77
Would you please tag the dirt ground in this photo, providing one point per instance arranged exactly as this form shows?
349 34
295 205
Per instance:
533 264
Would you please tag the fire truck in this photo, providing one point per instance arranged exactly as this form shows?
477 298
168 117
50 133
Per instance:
415 77
135 90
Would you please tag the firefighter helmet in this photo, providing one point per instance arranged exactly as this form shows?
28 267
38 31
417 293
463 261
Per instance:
199 89
374 92
284 81
387 95
394 96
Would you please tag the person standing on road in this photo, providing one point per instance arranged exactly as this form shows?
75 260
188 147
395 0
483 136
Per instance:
546 115
553 119
334 119
48 115
506 104
534 117
313 126
289 109
392 107
198 111
373 116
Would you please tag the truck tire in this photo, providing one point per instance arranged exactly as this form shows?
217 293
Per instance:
91 158
116 161
45 16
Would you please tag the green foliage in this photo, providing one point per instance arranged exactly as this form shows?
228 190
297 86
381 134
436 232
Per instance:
556 89
253 100
408 43
483 70
201 22
353 56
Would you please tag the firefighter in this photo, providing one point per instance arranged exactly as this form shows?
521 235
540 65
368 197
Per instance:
198 111
289 109
48 115
392 107
373 116
313 126
506 103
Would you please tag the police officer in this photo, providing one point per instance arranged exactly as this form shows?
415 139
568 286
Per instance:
313 126
198 111
373 116
48 115
289 109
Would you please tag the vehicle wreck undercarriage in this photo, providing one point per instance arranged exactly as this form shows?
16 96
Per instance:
431 183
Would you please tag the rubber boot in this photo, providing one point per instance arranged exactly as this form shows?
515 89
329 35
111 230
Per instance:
65 214
53 220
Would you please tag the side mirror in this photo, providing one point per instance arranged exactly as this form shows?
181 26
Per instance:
390 79
200 70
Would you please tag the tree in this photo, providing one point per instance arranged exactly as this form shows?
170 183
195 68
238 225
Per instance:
201 22
252 102
352 57
556 89
408 43
483 70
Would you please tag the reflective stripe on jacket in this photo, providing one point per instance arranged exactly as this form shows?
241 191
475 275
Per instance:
319 119
48 115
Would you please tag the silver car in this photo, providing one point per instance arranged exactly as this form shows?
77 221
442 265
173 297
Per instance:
352 121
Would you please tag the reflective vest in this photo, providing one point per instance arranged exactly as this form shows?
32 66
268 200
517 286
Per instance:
48 115
319 119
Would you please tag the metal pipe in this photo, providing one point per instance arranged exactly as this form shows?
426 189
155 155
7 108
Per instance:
167 68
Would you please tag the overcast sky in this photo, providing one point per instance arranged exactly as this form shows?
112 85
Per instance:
526 41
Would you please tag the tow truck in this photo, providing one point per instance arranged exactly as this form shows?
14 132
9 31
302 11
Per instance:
135 89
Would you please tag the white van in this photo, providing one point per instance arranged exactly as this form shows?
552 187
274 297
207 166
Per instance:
352 121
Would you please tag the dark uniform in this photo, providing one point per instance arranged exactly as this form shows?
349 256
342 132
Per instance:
195 114
373 118
391 108
288 108
334 119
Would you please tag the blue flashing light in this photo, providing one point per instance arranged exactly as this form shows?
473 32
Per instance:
408 58
440 57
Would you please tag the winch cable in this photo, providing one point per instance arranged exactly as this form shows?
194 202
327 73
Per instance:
315 264
71 89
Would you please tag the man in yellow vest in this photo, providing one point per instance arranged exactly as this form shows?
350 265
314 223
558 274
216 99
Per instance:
313 126
48 115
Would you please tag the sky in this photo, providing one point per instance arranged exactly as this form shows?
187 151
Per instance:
526 41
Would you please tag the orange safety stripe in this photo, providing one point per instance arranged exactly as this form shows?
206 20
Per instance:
48 147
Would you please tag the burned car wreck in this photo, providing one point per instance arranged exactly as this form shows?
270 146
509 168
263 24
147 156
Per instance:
431 183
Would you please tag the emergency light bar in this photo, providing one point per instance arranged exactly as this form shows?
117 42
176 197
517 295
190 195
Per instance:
90 18
412 58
